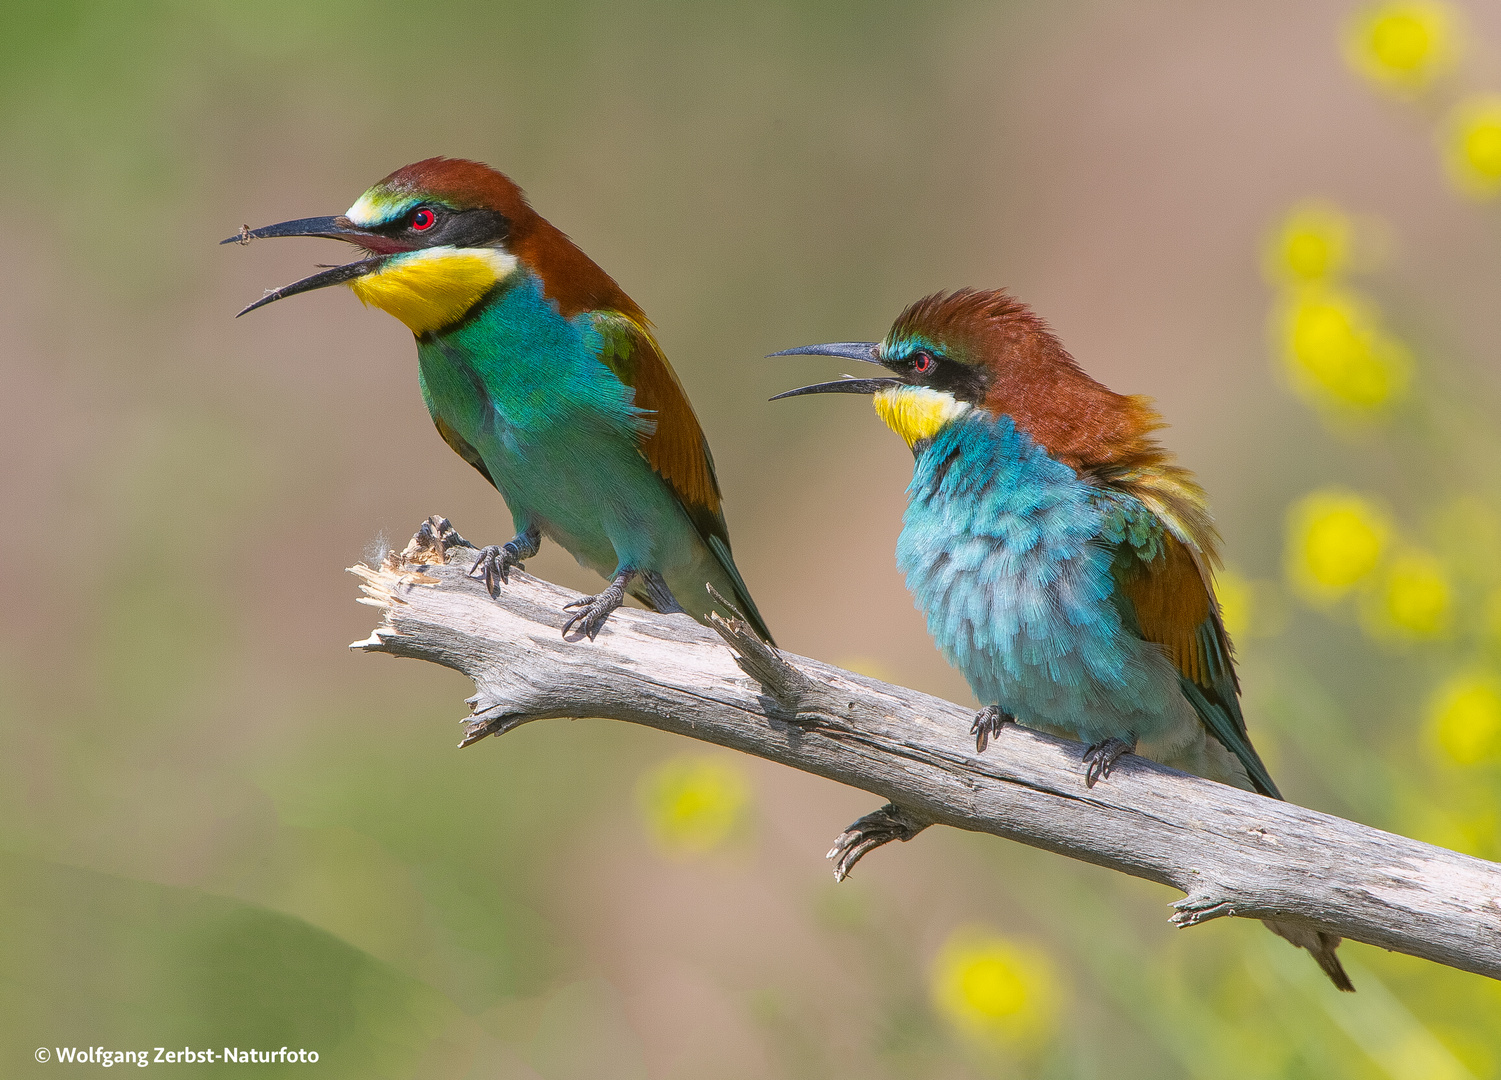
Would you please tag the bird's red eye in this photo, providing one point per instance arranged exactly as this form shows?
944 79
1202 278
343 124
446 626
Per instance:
923 362
423 220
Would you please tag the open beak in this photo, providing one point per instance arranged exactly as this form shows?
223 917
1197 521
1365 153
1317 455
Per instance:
334 275
331 228
850 350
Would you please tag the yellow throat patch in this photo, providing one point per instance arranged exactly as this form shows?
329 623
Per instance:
917 412
432 287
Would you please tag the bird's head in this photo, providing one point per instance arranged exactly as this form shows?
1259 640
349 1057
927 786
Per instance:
438 235
951 353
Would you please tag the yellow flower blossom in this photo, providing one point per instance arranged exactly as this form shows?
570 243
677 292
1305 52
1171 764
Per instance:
1418 595
693 803
994 990
1464 719
1336 353
1312 243
1471 141
1403 46
1335 540
1414 598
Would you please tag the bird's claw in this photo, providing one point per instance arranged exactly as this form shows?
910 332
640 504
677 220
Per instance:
495 562
889 823
989 721
494 565
596 609
1101 757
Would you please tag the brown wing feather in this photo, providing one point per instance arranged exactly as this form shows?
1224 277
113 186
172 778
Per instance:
1173 604
674 444
1172 601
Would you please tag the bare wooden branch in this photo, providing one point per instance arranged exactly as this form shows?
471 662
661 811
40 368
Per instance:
1231 852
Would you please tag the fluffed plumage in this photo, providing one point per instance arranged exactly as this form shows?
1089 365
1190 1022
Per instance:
1061 557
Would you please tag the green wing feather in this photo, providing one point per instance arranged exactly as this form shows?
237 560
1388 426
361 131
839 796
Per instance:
674 444
1162 594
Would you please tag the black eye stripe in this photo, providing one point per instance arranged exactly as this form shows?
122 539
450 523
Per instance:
925 367
456 228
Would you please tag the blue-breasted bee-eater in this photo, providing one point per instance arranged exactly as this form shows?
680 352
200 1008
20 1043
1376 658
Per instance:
1061 557
544 375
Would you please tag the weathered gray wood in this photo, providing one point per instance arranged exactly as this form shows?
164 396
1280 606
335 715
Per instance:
1231 852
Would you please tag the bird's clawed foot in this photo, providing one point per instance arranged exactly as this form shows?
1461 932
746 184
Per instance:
889 823
434 538
494 563
988 722
597 608
1101 757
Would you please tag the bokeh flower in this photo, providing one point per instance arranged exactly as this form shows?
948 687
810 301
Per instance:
1335 541
1337 354
1312 243
1403 46
1471 140
994 990
693 803
1413 598
1464 719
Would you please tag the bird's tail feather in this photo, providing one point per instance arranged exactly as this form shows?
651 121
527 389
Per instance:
1320 945
742 597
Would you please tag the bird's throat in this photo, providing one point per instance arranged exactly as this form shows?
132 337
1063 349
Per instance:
918 413
434 287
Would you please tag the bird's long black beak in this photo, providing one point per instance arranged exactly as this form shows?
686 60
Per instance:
842 386
334 275
331 228
849 350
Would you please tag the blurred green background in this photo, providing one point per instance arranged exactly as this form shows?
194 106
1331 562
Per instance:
220 828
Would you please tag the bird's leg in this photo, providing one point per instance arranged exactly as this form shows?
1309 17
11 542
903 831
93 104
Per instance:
1102 756
889 823
988 722
658 596
597 608
494 563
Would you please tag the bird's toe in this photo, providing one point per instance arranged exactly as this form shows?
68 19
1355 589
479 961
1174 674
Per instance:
889 823
989 721
1101 757
592 613
490 567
